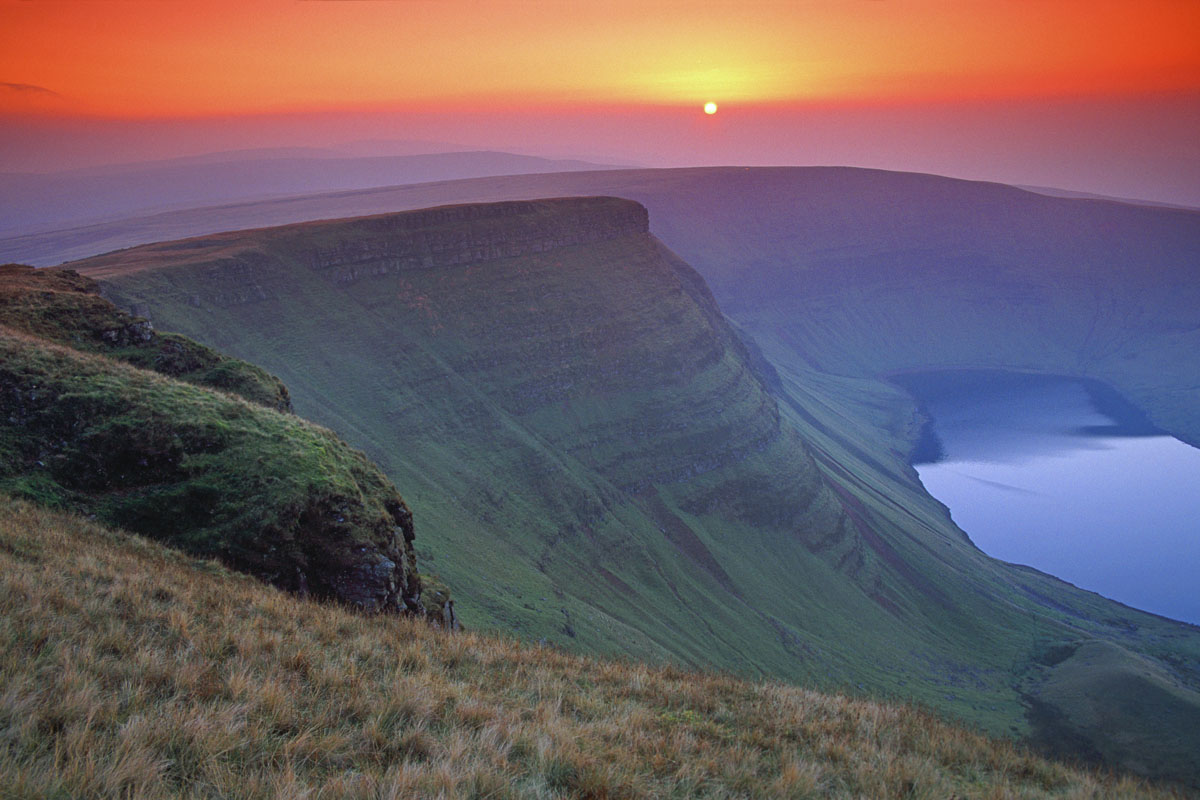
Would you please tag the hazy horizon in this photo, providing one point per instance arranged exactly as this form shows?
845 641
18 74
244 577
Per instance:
1090 97
1007 142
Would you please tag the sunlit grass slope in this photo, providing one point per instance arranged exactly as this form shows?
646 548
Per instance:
597 459
130 670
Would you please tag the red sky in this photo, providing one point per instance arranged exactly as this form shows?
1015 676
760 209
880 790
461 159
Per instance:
966 87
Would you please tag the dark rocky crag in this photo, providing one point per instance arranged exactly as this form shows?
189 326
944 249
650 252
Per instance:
212 465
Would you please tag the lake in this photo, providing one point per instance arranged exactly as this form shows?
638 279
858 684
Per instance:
1065 476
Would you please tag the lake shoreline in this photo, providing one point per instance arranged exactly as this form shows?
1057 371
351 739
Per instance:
1066 476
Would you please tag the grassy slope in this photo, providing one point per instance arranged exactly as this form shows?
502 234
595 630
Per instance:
65 307
130 670
1089 710
874 586
846 276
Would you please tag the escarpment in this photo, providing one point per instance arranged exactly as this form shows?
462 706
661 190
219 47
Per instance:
566 302
540 306
560 391
83 426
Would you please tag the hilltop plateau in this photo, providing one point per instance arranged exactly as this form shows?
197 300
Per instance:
603 461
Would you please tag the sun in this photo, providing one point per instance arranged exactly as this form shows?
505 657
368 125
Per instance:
710 108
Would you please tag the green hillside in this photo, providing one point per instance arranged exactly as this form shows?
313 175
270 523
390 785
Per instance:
597 459
206 470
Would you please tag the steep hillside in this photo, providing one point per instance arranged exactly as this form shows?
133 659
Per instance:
209 472
552 387
130 670
604 463
862 273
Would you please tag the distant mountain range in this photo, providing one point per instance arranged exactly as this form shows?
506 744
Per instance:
39 201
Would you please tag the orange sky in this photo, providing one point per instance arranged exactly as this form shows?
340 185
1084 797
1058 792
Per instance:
179 58
1094 95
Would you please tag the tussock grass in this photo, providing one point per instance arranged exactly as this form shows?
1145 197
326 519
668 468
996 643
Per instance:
130 670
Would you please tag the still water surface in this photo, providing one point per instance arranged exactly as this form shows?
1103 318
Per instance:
1036 474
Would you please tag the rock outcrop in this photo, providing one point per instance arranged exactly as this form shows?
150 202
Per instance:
215 474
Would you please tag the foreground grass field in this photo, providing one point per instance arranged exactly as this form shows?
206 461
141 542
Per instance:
130 670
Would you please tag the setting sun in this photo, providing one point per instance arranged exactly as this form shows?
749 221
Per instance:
710 108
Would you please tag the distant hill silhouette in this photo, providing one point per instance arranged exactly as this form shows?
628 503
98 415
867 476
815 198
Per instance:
38 201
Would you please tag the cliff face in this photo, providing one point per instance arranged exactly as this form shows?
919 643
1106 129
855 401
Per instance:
560 393
82 427
537 305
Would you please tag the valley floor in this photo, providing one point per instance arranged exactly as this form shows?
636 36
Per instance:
130 670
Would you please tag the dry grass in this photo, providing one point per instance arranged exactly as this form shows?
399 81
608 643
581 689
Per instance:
128 670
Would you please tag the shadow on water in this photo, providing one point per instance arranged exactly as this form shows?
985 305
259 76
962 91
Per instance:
1018 400
1067 476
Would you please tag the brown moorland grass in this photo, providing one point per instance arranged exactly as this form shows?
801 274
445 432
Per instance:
130 670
